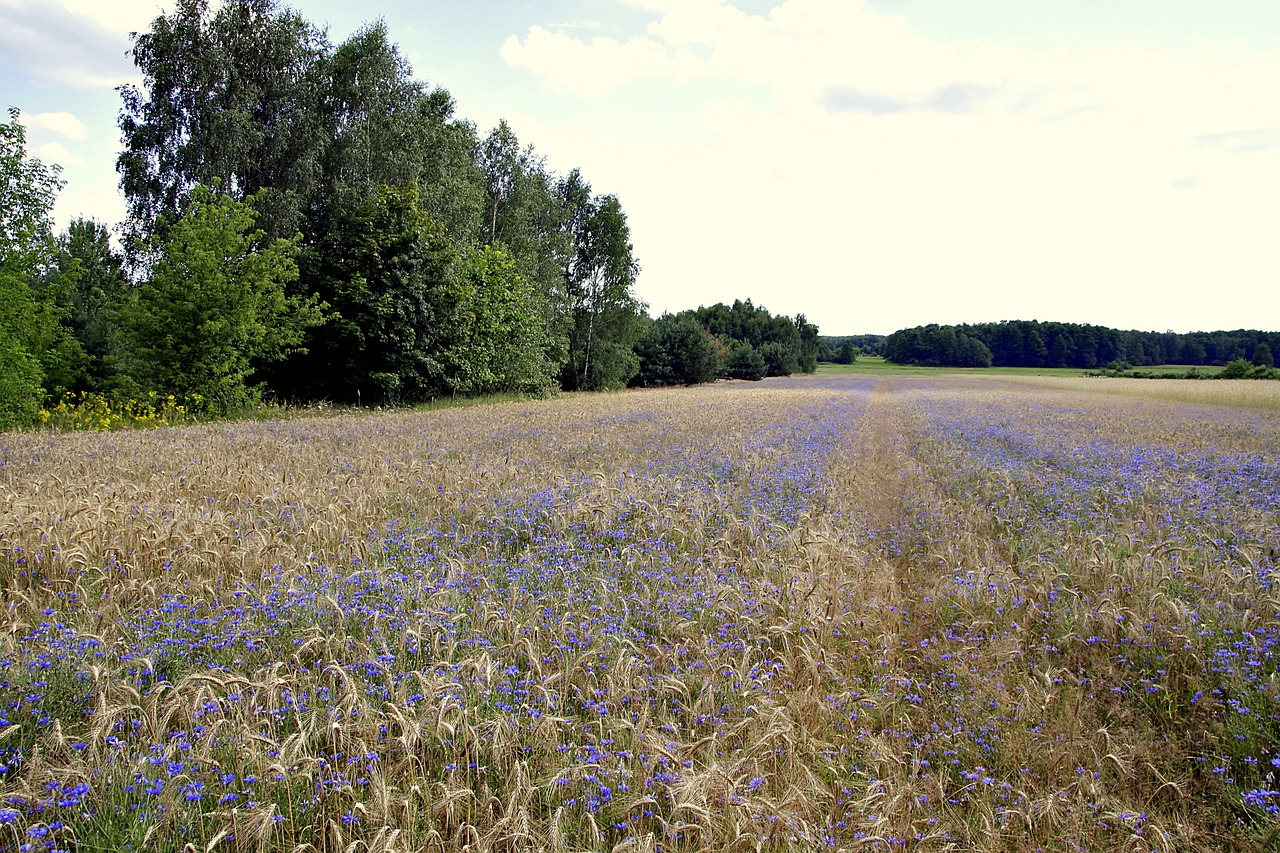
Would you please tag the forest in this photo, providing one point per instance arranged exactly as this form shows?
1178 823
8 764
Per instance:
845 349
1029 343
307 221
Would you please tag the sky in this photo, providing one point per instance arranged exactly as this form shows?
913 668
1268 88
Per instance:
872 164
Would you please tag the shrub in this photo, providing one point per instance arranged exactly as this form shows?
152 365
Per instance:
745 362
1238 369
94 412
20 378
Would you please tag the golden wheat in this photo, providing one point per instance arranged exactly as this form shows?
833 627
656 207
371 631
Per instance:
952 613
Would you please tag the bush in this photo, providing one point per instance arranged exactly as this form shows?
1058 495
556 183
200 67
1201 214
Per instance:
100 414
779 359
675 351
1238 369
1261 371
20 383
745 362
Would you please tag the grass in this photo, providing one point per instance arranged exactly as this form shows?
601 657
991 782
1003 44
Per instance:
86 412
1180 370
1233 393
874 366
928 612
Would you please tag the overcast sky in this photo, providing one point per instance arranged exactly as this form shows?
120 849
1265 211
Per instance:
874 164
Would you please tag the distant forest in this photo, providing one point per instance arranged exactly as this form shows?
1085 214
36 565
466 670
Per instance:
1030 343
845 349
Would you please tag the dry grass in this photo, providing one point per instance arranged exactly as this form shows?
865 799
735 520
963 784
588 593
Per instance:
1235 393
953 613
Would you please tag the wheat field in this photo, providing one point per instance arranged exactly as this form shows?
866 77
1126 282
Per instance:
822 613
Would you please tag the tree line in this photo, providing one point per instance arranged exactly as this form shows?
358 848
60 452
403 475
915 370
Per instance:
1029 343
845 349
308 221
739 341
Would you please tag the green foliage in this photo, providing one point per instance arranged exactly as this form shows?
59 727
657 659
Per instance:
675 350
27 192
785 345
86 281
1244 369
250 94
496 342
1262 355
1029 343
779 359
214 303
836 348
606 319
63 363
946 346
1238 369
381 127
526 216
806 351
385 271
20 382
415 316
745 362
230 93
31 348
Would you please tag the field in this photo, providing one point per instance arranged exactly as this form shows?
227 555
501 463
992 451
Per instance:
870 365
824 613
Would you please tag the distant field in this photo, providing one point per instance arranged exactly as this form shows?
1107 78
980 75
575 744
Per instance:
836 612
1180 369
1235 393
871 365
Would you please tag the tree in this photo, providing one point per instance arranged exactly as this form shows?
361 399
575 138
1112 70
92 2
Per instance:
525 215
606 319
786 345
214 304
383 128
231 93
384 269
779 359
807 344
1236 369
495 341
1262 355
675 350
27 192
971 352
87 280
327 142
746 363
28 327
500 158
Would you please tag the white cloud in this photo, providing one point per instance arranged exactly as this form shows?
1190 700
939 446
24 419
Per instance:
1242 141
52 45
862 157
56 152
597 67
62 124
120 16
